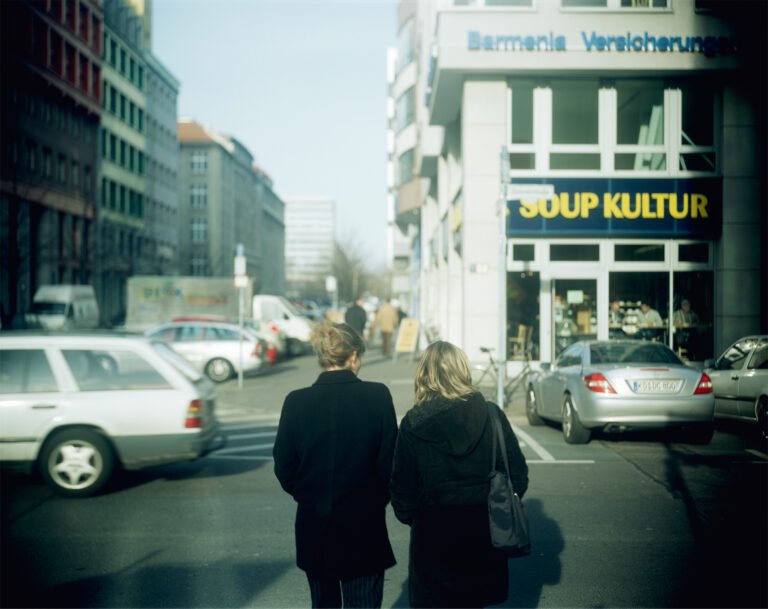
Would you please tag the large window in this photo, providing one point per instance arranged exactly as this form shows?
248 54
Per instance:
405 45
405 109
199 230
405 167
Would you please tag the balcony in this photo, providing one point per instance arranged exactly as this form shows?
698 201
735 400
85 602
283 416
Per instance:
409 201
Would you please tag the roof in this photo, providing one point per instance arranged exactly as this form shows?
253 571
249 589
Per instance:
190 131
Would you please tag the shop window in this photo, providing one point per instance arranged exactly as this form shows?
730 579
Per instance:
697 114
523 252
639 252
522 113
574 161
701 161
640 161
574 312
643 305
585 3
523 315
693 252
522 160
574 253
693 313
574 112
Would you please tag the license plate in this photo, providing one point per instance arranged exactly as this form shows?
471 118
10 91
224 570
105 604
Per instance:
655 386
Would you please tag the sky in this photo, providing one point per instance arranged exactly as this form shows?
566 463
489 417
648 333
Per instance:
303 85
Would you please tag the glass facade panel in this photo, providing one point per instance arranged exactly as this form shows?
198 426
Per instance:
693 313
574 112
693 252
640 112
522 113
641 161
643 303
697 114
405 45
522 160
640 252
701 161
523 252
574 253
574 161
574 312
584 3
523 310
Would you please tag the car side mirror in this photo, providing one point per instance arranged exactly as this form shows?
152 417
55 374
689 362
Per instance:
546 366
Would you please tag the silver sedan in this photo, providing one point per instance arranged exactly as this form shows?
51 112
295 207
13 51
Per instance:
620 386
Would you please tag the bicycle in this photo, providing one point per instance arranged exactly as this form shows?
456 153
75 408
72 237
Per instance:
491 372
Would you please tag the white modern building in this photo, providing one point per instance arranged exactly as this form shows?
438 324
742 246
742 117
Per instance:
624 142
310 238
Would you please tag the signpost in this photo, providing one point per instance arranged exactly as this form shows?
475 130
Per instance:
241 282
407 337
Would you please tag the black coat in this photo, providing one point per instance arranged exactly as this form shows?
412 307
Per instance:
333 454
440 484
356 317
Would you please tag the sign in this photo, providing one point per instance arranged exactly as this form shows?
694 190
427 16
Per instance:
407 336
530 192
634 207
330 283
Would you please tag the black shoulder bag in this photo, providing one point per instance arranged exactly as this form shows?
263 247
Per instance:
506 514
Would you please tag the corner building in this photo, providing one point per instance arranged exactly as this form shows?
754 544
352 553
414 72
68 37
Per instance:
644 120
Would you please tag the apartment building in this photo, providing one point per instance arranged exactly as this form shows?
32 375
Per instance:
310 238
558 155
50 58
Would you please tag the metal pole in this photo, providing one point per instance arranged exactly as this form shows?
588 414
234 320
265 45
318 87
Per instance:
502 262
241 307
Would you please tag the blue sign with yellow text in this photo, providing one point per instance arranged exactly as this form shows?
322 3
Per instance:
602 207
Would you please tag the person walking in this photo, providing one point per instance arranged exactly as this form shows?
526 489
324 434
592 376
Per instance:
355 317
440 485
387 321
333 454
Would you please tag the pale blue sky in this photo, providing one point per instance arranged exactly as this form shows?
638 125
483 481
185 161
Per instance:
302 84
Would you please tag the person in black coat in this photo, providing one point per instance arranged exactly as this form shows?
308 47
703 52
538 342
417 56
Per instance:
333 454
440 485
356 317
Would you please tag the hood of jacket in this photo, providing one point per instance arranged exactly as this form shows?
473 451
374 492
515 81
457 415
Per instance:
454 427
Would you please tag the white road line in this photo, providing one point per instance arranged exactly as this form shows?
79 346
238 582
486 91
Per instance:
246 436
757 453
535 446
240 458
560 461
241 426
242 449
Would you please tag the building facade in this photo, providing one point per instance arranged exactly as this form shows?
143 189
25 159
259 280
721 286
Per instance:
567 154
122 213
161 166
224 202
49 131
310 239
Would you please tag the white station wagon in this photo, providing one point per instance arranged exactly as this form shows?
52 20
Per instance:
79 405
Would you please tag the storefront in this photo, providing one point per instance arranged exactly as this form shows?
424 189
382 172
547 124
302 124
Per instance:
614 259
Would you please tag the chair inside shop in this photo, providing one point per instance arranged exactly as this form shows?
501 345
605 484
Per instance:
520 345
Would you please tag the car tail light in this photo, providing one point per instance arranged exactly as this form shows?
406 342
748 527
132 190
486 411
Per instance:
258 349
598 383
704 386
273 327
271 355
194 418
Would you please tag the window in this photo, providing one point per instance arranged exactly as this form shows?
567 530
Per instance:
574 252
523 252
198 196
199 230
198 162
47 163
693 252
642 252
574 112
62 169
25 371
199 266
405 167
31 158
698 127
113 371
640 124
75 172
405 109
522 113
405 44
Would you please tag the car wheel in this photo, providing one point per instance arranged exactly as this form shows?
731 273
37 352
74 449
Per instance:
77 462
573 431
219 370
530 407
295 348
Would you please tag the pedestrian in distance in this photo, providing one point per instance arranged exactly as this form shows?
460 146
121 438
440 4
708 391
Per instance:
333 454
356 317
387 321
440 485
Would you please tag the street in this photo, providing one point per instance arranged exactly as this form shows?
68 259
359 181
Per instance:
639 521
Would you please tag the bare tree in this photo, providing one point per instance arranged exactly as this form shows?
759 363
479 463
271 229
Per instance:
354 273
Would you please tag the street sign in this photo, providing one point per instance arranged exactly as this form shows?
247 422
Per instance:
530 192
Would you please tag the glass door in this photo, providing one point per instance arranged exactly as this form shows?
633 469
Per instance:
574 312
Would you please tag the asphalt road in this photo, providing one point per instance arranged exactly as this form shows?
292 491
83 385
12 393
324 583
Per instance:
639 521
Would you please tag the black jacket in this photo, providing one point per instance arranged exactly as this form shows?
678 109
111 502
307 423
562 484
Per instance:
440 484
356 317
333 454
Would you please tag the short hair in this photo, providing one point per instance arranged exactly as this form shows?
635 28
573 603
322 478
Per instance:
443 371
685 301
335 343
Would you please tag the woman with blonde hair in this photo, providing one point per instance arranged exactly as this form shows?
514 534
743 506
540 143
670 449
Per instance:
440 484
333 454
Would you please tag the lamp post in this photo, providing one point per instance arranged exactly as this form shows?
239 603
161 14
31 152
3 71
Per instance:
241 281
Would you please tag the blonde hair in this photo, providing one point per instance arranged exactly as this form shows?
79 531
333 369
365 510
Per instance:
443 371
335 343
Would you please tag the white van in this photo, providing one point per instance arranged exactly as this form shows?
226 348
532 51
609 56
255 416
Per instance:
64 307
277 309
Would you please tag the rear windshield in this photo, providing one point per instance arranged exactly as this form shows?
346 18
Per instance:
632 353
49 308
177 361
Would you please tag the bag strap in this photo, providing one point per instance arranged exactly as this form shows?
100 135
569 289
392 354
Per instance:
496 432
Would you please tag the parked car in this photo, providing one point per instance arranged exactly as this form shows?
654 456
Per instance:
276 341
63 307
740 381
76 406
280 312
621 386
213 347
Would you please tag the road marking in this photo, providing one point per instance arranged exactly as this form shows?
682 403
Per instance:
240 458
239 427
560 461
241 449
757 453
535 446
246 436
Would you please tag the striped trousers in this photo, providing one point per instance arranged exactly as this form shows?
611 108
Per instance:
359 592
